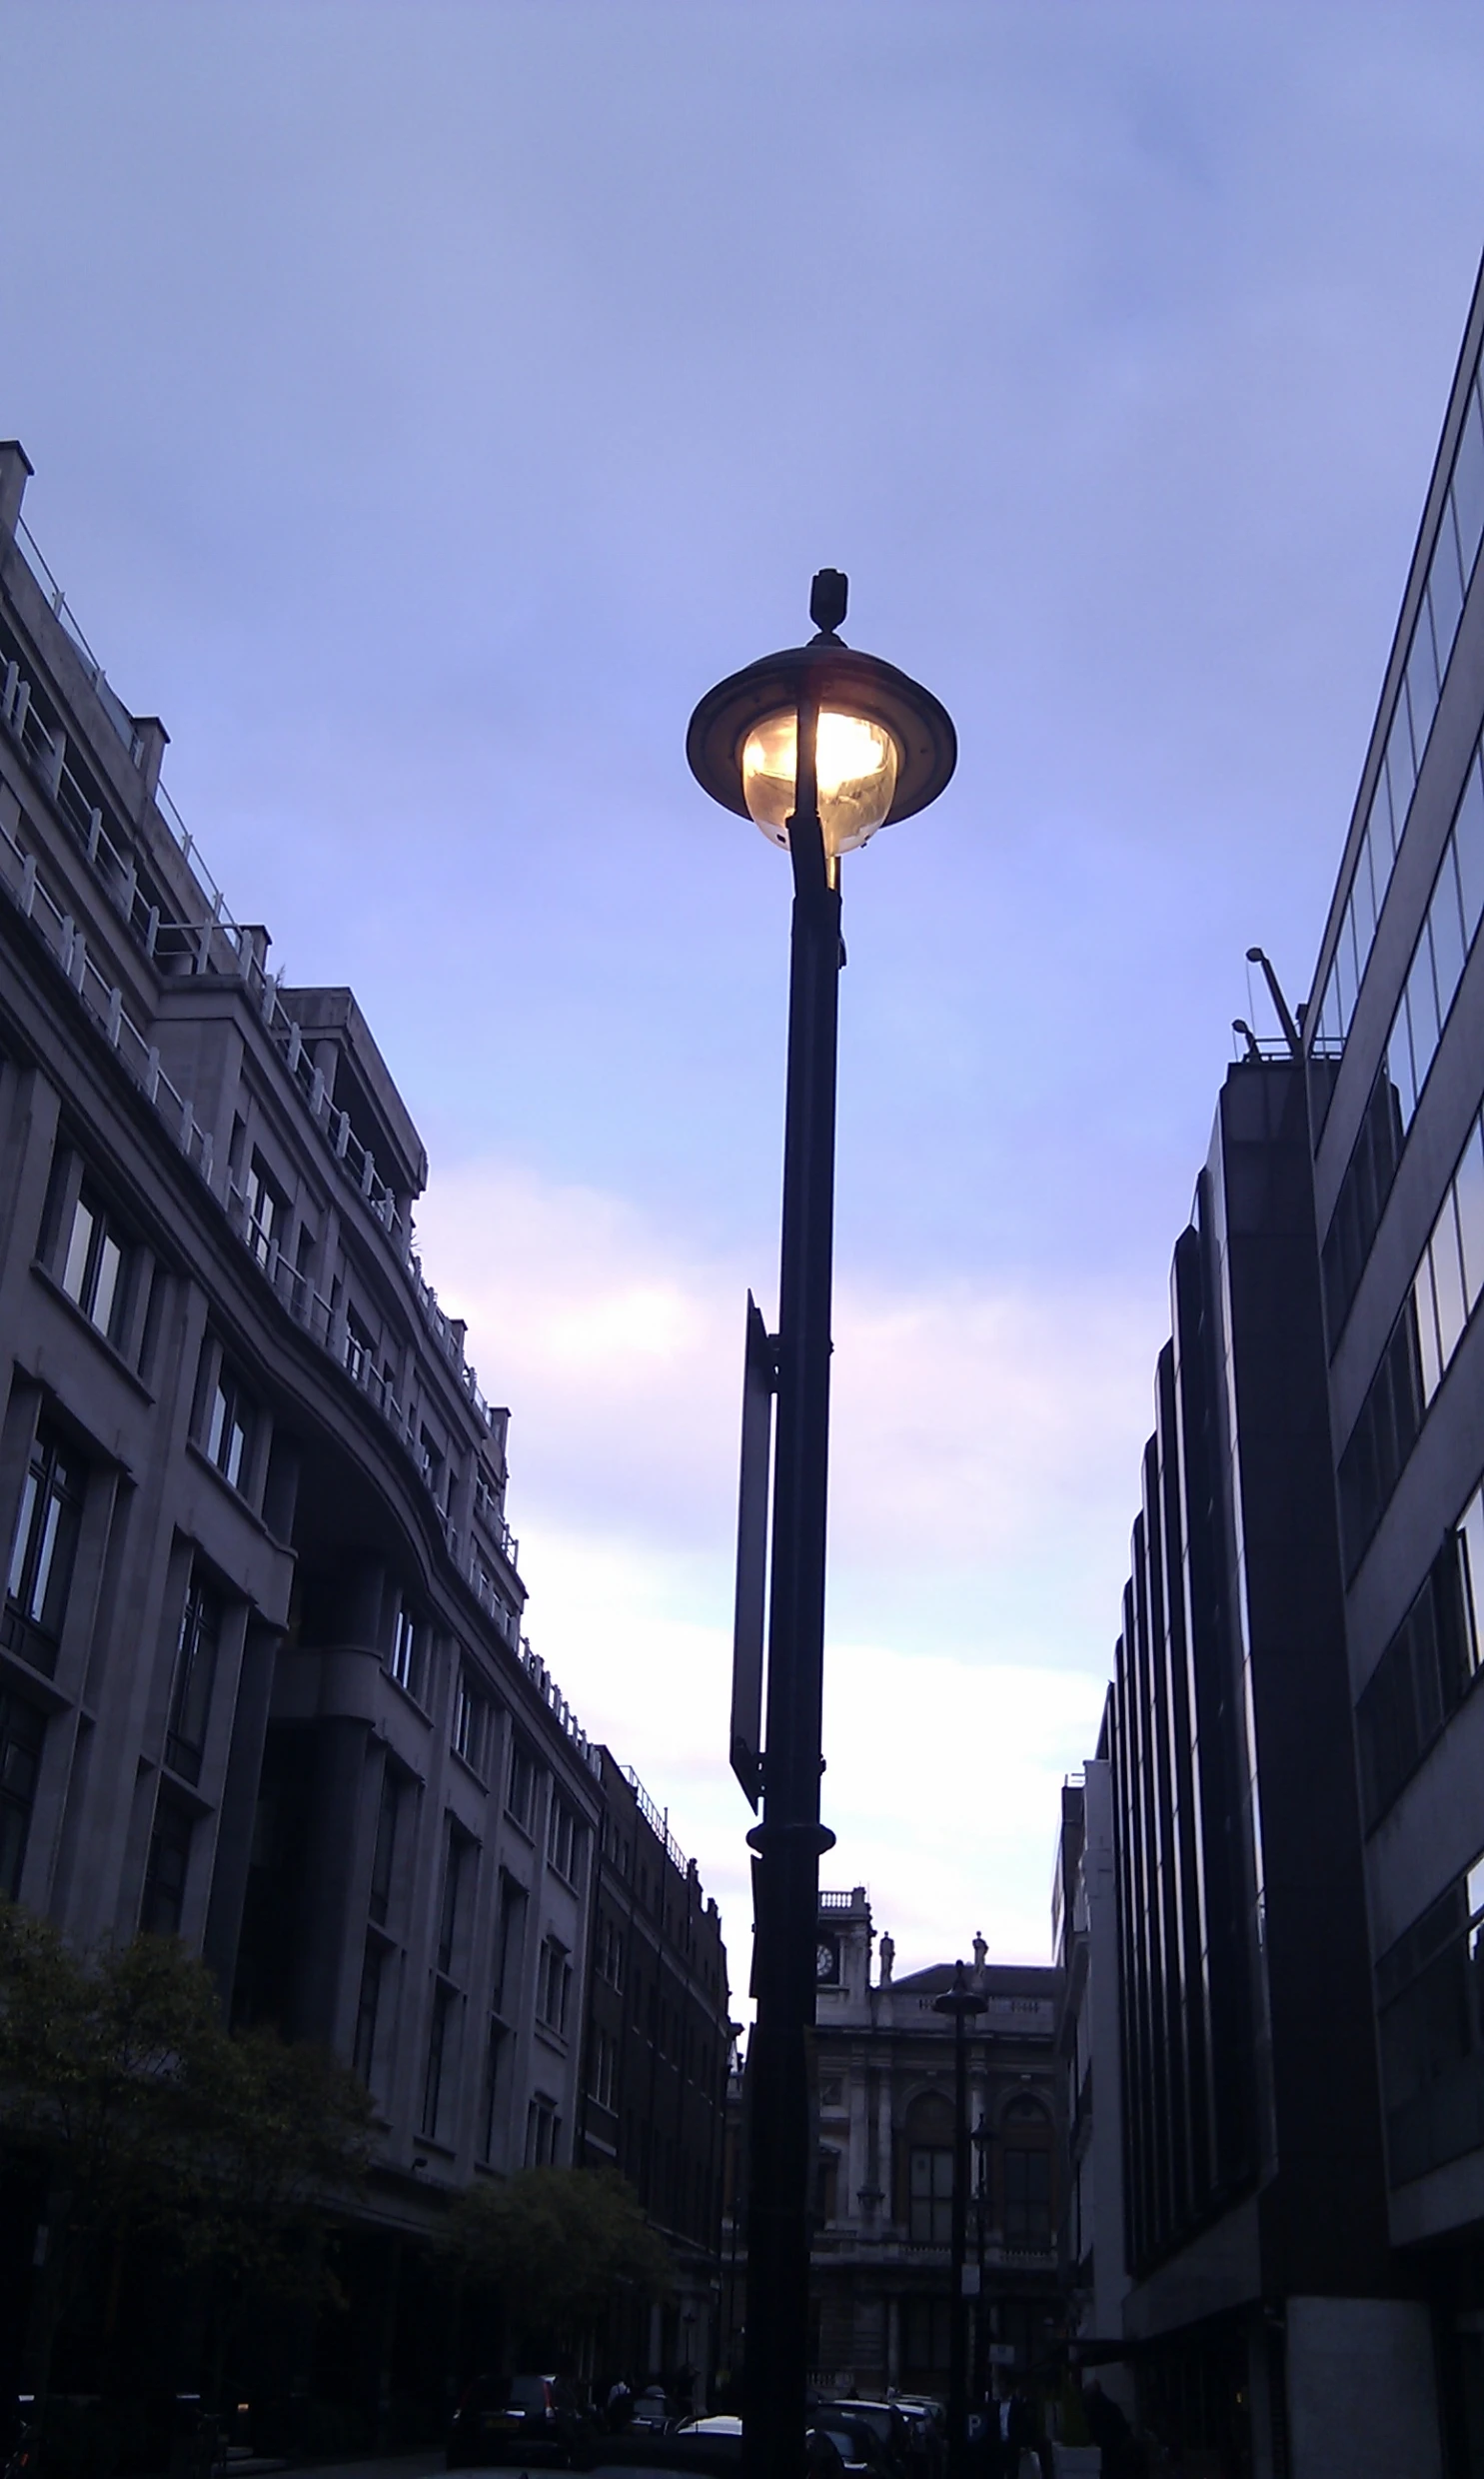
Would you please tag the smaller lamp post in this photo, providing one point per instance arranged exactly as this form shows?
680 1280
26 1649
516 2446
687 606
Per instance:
962 2002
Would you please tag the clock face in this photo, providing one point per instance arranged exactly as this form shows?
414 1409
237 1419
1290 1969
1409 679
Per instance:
826 1959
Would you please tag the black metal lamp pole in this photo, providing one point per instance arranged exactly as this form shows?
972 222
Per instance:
981 2199
901 744
962 2002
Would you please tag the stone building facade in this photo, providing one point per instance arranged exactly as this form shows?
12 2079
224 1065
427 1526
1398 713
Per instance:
263 1681
881 2255
657 2048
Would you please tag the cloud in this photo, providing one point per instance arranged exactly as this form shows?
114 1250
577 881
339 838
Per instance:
983 1458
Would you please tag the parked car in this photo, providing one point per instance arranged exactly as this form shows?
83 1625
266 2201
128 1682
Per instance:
861 2457
894 2430
515 2416
654 2409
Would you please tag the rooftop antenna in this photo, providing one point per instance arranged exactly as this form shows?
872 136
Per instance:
1290 1028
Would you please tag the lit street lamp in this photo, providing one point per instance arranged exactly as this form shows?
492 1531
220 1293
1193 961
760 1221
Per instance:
820 746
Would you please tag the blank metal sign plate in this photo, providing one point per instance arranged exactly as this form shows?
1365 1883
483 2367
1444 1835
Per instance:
751 1554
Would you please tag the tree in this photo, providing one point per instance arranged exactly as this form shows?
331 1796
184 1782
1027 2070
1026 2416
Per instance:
94 2063
144 2116
557 2243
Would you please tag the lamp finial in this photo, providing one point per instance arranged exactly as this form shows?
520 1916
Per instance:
828 597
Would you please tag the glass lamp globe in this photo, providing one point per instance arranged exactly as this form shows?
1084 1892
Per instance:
856 764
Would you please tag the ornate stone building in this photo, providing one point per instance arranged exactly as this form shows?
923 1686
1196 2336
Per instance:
882 2267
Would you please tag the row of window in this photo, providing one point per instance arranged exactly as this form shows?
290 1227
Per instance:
1454 911
1436 626
1430 1999
1443 1293
1428 1666
22 1738
39 1579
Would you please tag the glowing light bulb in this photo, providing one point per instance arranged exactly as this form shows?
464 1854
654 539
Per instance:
856 770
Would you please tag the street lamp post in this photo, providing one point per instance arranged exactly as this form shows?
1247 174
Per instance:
821 746
962 2002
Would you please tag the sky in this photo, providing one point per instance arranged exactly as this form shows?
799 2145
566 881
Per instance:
430 402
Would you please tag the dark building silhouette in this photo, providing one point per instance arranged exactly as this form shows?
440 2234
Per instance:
656 2046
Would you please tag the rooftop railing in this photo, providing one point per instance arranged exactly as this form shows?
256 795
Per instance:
657 1820
215 945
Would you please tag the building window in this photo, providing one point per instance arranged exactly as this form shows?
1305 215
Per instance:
929 2334
359 1350
362 2052
95 1263
44 1548
930 2197
510 1936
384 1856
1430 1993
1027 2175
602 2069
490 2099
456 1857
566 1839
1427 1668
22 1729
165 1870
609 1954
264 1213
408 1663
542 2134
471 1719
195 1670
438 2052
826 2187
520 1795
230 1421
552 1986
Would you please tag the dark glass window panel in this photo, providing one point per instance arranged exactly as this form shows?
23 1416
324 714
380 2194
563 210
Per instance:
94 1263
447 1923
1027 2196
437 2042
1401 766
491 2096
1422 1011
1468 484
165 1872
1447 1275
1468 1190
367 2006
1445 921
22 1731
229 1429
1468 846
384 1856
45 1545
195 1673
1445 586
930 2196
1422 682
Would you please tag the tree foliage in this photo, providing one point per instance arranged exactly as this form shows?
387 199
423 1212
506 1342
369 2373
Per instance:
140 2113
557 2243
